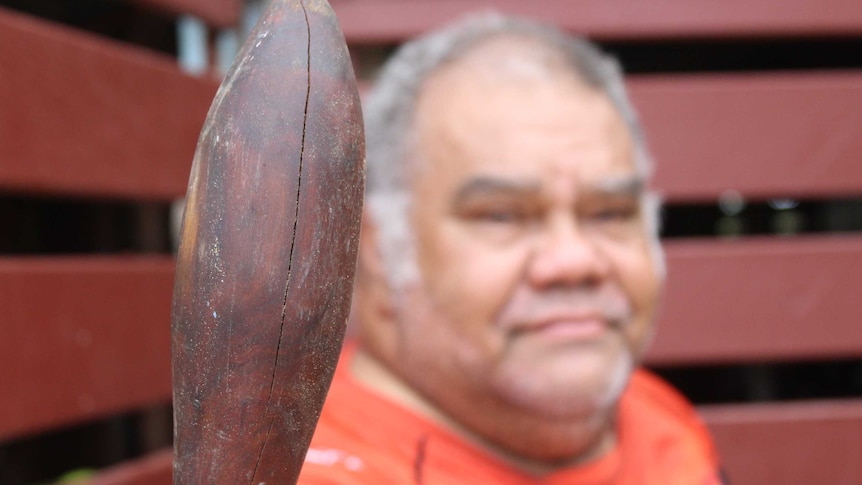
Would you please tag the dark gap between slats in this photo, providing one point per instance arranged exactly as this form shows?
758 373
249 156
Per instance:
56 226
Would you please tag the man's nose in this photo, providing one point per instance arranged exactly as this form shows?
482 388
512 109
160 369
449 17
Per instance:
565 255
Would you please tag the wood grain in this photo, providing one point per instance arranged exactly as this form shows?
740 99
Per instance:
268 252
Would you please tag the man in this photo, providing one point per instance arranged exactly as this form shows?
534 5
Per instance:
508 277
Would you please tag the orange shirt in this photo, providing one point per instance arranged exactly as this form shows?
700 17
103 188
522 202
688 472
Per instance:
363 438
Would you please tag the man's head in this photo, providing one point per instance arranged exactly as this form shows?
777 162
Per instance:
511 265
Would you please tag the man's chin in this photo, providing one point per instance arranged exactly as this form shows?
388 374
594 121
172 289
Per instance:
568 385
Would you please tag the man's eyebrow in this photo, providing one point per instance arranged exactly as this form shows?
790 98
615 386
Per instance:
483 185
627 185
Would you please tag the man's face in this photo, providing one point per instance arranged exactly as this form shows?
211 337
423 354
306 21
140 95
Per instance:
538 283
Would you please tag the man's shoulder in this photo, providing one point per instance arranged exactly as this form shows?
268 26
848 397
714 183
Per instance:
650 405
660 429
647 392
356 439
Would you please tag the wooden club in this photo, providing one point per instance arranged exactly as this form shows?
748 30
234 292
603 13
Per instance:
268 252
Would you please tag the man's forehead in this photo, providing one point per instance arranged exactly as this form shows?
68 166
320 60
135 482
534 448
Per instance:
518 127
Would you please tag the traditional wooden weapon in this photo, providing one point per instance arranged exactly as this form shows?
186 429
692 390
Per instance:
268 252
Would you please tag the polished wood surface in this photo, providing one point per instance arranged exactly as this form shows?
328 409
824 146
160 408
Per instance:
268 252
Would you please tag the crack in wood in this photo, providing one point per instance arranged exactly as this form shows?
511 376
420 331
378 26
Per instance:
292 245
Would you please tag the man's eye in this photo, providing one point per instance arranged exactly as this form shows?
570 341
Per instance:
615 214
499 216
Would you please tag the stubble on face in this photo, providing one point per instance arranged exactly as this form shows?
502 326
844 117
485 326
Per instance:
484 334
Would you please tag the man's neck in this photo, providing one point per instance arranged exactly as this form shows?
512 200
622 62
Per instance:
373 374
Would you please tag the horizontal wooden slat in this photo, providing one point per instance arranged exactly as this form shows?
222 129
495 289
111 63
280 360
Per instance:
394 20
784 442
84 115
217 13
763 135
800 443
761 299
123 122
153 469
790 442
82 338
88 336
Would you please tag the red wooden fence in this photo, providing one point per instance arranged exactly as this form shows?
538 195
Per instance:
87 336
365 21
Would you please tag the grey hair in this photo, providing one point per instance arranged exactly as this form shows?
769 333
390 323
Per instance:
390 108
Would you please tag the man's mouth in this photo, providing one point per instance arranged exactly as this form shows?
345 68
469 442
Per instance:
566 326
568 315
573 329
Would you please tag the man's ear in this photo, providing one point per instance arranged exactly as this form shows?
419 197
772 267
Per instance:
370 267
373 310
372 295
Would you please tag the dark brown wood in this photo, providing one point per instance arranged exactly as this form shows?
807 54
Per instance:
370 21
765 299
216 13
790 442
84 115
265 266
82 338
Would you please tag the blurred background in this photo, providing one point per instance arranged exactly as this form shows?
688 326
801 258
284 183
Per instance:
753 110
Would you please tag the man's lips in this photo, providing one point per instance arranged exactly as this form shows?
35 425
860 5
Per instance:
575 327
